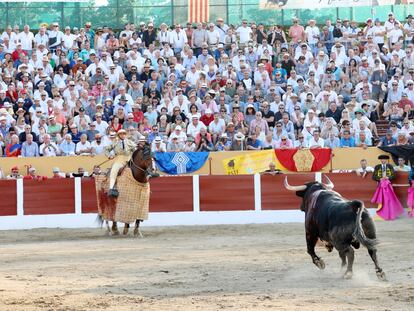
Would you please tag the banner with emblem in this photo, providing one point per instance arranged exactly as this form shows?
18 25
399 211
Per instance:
304 160
174 163
249 162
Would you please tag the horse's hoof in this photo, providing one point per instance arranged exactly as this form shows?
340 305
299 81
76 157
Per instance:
138 234
348 275
381 275
125 232
113 193
319 263
115 232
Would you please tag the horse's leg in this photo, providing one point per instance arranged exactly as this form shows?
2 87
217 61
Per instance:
115 228
108 229
126 228
137 231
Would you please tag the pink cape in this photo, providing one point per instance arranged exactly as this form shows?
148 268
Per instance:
389 206
410 201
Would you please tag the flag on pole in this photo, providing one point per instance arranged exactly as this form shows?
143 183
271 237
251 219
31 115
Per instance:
198 11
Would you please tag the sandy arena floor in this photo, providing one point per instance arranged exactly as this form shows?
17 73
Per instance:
252 267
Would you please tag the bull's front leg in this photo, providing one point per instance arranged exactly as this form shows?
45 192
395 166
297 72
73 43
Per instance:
311 240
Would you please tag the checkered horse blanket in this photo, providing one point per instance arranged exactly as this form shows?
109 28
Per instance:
132 202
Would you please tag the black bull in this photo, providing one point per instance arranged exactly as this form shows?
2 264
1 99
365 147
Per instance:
341 223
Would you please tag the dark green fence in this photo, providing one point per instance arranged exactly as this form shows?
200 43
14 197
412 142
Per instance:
117 12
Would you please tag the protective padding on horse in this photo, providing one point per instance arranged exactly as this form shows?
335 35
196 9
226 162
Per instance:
132 202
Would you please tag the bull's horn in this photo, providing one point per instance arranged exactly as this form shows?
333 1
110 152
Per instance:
294 188
330 184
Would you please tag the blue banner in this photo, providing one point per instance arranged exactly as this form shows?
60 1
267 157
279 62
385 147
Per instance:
174 163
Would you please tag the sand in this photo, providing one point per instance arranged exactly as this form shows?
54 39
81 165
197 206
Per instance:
249 267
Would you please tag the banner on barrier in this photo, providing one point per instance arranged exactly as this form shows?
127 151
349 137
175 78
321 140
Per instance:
249 163
318 4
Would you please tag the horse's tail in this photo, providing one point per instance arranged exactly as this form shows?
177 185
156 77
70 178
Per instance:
99 220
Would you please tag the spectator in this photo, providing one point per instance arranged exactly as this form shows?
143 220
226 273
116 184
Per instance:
57 174
13 149
29 147
364 169
48 148
402 167
272 170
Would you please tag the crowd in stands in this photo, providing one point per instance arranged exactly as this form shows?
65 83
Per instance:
206 86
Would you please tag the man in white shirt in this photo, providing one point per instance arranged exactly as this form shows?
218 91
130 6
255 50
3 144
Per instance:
41 37
213 37
312 35
195 126
245 34
48 148
316 141
26 38
67 39
100 125
178 39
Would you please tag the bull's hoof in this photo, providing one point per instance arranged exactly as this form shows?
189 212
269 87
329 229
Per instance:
348 275
319 263
113 193
329 247
381 275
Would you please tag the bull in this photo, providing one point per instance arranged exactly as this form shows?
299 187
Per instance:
342 224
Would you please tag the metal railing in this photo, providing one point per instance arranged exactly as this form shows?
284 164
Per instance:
118 12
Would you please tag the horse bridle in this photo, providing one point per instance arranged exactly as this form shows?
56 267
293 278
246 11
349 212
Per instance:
131 161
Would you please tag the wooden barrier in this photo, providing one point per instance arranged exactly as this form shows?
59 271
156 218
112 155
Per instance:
196 199
8 205
51 196
227 193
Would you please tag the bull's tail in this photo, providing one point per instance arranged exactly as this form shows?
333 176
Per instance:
359 233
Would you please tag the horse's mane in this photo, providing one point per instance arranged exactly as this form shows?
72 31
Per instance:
146 151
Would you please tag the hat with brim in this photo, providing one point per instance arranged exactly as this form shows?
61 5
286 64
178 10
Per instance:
239 137
121 131
383 157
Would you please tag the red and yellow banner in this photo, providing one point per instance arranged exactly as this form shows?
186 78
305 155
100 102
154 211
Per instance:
198 11
304 160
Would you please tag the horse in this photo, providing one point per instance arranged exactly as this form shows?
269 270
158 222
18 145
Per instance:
141 165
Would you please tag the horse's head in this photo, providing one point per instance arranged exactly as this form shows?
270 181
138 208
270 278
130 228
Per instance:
142 157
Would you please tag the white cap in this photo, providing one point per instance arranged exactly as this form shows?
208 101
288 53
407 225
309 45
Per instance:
208 110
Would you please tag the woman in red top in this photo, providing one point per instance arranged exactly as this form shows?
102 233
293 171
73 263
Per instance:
13 149
115 125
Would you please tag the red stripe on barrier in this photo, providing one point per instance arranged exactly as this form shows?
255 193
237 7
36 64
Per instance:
227 193
171 194
52 196
8 204
89 203
274 194
353 187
